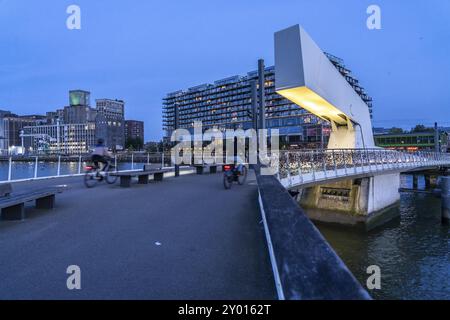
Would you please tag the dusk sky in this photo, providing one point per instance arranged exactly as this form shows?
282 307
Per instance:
140 50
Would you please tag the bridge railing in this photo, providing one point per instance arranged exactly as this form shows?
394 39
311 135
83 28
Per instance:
353 161
18 168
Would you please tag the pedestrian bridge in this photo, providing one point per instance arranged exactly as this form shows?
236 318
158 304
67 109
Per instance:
313 167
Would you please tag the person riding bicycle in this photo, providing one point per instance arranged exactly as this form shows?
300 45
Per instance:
100 154
238 163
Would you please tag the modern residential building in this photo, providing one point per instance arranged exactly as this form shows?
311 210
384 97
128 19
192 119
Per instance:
227 104
412 141
134 130
114 113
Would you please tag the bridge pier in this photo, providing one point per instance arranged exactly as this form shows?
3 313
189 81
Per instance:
364 201
427 178
415 181
445 199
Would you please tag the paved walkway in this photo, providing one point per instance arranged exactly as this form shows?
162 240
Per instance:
212 243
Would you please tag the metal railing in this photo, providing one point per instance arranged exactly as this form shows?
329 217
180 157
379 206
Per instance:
298 167
21 168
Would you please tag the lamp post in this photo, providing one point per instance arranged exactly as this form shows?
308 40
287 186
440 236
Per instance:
176 124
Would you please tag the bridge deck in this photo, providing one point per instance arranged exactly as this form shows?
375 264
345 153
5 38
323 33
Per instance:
212 243
326 175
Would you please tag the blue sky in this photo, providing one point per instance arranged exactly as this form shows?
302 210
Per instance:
139 50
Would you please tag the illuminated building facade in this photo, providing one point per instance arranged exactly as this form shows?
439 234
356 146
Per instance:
227 104
64 138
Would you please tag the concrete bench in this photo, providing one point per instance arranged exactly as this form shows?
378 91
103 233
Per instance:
142 175
201 168
12 205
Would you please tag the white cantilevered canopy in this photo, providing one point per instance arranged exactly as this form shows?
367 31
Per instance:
305 76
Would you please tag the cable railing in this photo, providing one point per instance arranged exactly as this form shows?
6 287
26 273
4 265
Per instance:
297 167
19 168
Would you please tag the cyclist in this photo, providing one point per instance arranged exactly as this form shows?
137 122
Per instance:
100 154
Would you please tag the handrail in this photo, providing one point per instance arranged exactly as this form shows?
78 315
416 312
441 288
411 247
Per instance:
333 163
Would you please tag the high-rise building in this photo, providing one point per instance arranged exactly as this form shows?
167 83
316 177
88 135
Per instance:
134 130
227 104
113 111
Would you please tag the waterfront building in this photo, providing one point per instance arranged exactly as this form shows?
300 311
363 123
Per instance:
11 126
412 141
226 104
114 113
134 129
64 138
75 128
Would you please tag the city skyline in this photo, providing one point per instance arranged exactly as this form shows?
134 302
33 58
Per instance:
119 53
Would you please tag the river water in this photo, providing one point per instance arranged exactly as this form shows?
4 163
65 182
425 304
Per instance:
412 251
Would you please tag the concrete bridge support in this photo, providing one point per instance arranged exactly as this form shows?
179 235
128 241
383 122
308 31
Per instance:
363 201
415 182
445 199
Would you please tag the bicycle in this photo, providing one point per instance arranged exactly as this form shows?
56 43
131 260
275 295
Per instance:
231 174
94 175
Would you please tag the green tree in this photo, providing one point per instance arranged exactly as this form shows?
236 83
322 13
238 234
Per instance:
134 144
421 128
395 130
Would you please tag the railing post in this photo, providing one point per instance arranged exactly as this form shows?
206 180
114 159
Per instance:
288 168
9 168
345 162
300 177
132 161
362 161
324 162
148 158
35 167
354 160
162 159
312 165
79 164
59 166
368 160
115 162
334 162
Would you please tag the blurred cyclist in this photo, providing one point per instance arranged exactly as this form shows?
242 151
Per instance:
100 154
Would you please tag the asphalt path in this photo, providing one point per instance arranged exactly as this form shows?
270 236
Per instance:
182 238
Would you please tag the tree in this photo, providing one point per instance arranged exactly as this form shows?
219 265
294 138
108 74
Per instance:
395 130
134 143
421 128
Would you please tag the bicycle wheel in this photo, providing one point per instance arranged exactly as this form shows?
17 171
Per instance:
90 178
243 176
227 182
109 178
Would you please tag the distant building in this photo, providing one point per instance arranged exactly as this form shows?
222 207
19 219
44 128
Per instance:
380 130
73 129
134 129
61 138
11 126
114 113
415 141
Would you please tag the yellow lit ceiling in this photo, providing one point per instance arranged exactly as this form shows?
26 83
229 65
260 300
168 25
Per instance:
314 103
